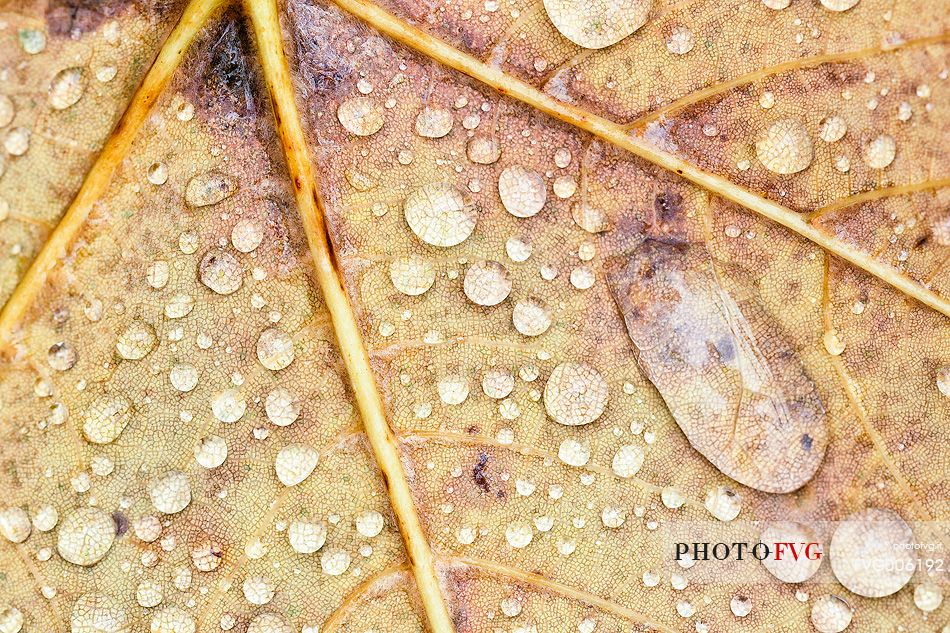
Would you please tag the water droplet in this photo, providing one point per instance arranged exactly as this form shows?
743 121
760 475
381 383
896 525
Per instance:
943 380
483 150
136 341
17 141
680 41
487 283
591 219
790 569
179 306
562 157
85 536
15 524
246 235
282 407
838 5
904 111
360 116
785 148
209 188
335 562
627 461
184 377
306 537
832 129
105 419
511 606
531 316
871 553
522 191
453 389
833 344
928 596
741 606
369 523
221 271
257 590
7 110
723 503
439 215
294 463
564 187
575 394
106 73
434 122
519 534
66 88
45 518
211 451
831 614
517 250
880 152
498 383
33 41
149 594
170 493
582 277
61 356
157 274
228 406
412 275
275 349
599 24
157 173
612 517
777 5
11 619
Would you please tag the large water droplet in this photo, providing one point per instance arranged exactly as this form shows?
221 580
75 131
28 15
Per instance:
105 419
221 271
294 463
209 188
575 394
785 148
412 275
136 341
439 215
871 553
360 116
522 191
66 88
531 316
85 536
831 614
434 122
487 283
275 349
880 152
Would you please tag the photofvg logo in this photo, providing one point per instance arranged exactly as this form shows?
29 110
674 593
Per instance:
777 551
873 553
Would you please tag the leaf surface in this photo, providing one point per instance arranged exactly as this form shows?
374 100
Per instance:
357 325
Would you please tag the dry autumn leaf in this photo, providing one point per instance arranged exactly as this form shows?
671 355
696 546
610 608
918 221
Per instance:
335 316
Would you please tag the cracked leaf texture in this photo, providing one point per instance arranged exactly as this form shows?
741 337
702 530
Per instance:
576 348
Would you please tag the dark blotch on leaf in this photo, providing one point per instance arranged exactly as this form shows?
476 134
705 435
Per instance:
478 472
121 523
